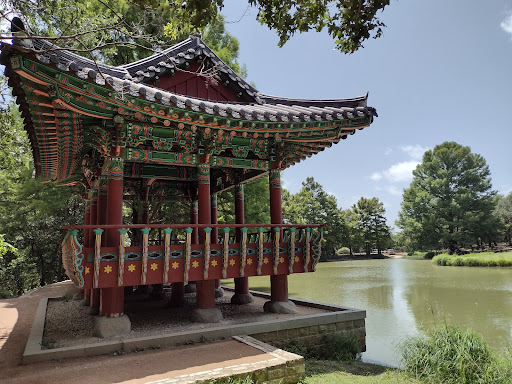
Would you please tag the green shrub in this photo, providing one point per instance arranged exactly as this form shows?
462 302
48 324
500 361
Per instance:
440 260
449 355
429 255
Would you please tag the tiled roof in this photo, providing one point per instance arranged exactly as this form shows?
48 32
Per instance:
130 79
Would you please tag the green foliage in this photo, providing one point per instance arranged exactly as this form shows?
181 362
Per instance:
503 212
348 22
127 30
153 23
31 215
256 209
487 259
312 205
450 201
370 223
449 355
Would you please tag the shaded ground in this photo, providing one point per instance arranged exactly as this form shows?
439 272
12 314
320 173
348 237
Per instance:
68 323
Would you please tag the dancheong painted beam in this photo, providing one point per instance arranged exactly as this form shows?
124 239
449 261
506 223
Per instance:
176 259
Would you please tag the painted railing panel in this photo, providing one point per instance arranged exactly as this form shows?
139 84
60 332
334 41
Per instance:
105 267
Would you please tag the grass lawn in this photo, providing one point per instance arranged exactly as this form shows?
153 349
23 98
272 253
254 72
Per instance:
356 372
484 259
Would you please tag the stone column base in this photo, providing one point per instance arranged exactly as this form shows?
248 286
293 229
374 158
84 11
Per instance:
111 326
190 288
86 302
242 298
219 292
280 307
210 315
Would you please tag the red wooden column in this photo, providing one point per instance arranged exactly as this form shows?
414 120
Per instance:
219 292
101 219
191 286
206 311
242 295
194 219
278 283
93 211
112 299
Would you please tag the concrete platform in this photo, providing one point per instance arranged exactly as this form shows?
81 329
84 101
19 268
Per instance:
235 357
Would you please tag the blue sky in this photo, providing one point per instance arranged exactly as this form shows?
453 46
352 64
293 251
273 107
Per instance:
441 72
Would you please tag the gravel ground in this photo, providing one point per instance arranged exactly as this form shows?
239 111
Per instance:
69 323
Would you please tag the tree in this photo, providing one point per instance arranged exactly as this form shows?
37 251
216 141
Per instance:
450 201
256 208
353 238
504 212
31 214
312 205
371 224
348 22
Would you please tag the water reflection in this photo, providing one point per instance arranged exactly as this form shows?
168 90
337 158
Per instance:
406 297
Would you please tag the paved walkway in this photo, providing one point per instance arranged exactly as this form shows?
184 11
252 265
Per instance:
17 315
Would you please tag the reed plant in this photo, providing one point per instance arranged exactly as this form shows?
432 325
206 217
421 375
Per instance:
449 355
474 260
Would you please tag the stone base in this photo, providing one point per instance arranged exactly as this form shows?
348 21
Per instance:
242 298
86 302
94 311
280 307
78 296
111 326
210 315
219 292
190 288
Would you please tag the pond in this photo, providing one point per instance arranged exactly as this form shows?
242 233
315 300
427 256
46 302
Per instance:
406 297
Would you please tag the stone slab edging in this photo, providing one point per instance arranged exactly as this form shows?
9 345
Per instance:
278 358
33 352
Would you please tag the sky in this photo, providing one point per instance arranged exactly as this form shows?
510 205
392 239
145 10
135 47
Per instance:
442 71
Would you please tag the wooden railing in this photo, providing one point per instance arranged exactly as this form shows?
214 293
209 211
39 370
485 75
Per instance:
173 257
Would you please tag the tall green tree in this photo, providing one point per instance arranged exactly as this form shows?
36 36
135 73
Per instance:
371 224
450 201
312 205
504 212
354 238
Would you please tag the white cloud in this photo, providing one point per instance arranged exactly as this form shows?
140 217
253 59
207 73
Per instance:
506 24
415 152
397 173
376 176
401 172
388 151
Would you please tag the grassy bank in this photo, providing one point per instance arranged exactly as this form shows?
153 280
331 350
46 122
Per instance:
355 372
484 259
446 355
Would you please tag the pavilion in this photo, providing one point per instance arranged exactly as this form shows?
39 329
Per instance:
178 126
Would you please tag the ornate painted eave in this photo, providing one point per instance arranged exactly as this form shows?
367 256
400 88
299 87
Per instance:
69 110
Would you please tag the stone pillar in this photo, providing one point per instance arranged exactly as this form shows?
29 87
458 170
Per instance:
206 312
242 295
112 320
279 302
219 292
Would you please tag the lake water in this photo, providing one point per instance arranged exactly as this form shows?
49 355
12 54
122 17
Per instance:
406 297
